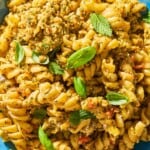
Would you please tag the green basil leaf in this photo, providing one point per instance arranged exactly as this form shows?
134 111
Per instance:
55 68
81 57
147 18
116 98
77 116
79 86
36 57
100 24
120 102
19 53
45 141
39 113
52 54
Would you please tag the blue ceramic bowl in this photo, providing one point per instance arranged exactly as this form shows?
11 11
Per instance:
142 146
9 145
146 2
6 145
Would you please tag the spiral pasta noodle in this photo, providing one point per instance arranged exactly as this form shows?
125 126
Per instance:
132 136
128 81
9 130
109 76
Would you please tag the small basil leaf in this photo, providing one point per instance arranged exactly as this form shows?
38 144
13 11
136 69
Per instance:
52 54
120 102
19 53
144 13
147 18
45 141
116 98
36 57
39 113
79 86
81 57
55 68
77 116
100 24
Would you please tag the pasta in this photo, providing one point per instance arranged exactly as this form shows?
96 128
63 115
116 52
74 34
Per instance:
34 93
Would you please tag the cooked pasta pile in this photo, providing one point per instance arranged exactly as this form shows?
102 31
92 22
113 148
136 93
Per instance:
33 94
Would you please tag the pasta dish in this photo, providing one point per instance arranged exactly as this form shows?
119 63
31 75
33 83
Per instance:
75 75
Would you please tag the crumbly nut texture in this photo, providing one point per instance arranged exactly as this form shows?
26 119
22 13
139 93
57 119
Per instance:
44 23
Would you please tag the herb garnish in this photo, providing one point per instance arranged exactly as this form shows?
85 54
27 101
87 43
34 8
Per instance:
101 24
147 17
41 59
39 113
45 141
19 53
77 116
55 68
81 57
79 86
52 54
116 98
